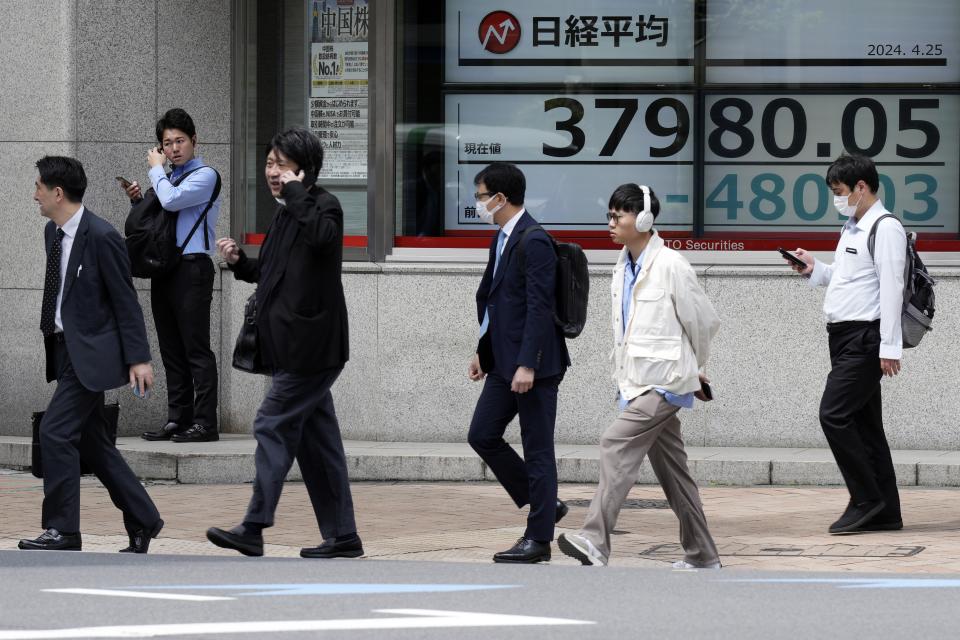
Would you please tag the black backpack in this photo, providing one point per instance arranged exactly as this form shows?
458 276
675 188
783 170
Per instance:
151 233
918 296
572 283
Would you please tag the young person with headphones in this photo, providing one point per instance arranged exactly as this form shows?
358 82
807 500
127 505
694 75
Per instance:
662 326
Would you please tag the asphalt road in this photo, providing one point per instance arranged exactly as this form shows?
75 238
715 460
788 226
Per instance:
90 595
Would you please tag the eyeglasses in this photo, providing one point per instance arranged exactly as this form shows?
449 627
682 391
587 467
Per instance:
615 216
478 195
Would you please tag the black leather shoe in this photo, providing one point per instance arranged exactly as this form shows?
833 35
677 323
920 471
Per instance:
562 510
165 432
197 433
238 539
53 540
140 538
351 547
526 551
888 525
856 516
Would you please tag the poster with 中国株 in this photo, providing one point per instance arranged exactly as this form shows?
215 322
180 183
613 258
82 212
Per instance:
339 85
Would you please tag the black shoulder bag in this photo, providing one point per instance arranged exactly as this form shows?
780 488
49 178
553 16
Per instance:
246 352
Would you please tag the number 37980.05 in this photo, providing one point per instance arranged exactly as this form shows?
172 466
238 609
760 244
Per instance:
731 135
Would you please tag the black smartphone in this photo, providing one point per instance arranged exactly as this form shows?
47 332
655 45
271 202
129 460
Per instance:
792 258
123 182
707 391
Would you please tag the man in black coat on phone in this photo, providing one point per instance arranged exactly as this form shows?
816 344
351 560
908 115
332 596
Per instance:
302 332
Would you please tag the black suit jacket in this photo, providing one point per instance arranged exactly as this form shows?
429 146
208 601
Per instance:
301 310
102 320
521 305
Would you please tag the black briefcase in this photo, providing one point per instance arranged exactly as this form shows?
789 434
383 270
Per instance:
112 413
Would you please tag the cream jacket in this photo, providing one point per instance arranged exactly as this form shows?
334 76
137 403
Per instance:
667 336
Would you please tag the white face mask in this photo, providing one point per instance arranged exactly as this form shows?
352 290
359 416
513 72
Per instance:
843 206
484 214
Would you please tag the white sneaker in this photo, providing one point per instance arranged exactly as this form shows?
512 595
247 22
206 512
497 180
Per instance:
683 564
582 549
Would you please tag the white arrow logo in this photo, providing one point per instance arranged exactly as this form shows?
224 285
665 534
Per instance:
416 619
507 26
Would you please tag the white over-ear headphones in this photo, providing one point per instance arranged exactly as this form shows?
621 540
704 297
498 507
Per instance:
645 217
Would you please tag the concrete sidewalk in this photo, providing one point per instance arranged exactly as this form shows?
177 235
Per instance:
755 527
231 461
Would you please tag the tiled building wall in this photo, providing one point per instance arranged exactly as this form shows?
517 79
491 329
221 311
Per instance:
89 78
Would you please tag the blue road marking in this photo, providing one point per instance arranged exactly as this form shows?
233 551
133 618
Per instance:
864 583
325 589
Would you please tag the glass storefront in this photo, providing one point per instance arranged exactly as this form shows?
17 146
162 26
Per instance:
730 110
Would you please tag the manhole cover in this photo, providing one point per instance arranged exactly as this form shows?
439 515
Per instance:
812 551
632 503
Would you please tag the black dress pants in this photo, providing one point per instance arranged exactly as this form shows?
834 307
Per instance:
74 427
297 420
532 479
180 302
851 415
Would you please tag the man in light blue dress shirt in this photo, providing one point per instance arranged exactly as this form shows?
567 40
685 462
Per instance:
180 300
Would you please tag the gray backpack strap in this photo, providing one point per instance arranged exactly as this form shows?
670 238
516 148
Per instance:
908 263
872 238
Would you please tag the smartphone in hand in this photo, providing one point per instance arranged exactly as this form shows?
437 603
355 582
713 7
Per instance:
792 258
124 183
706 390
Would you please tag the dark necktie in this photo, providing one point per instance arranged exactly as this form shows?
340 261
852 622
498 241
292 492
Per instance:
51 286
501 239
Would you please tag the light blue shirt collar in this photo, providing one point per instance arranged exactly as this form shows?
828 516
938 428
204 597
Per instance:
193 163
511 223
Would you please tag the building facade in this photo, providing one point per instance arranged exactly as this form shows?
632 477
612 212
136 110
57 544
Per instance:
730 110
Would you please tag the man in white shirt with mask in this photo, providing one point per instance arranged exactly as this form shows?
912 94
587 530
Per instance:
862 306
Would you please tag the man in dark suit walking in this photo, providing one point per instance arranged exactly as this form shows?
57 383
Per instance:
302 332
95 340
523 356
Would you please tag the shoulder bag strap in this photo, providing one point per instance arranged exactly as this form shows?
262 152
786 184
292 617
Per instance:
203 216
523 238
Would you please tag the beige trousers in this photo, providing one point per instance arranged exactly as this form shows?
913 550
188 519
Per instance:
648 427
